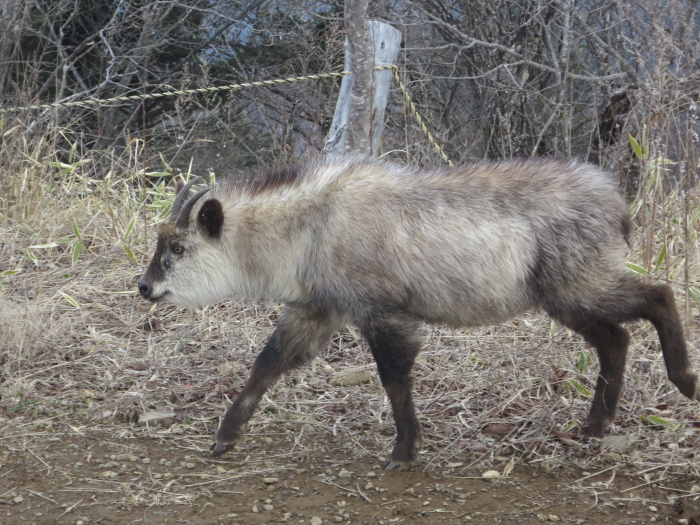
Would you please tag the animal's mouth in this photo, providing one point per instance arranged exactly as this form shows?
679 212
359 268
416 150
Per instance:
158 298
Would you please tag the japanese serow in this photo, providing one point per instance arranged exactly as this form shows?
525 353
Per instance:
388 247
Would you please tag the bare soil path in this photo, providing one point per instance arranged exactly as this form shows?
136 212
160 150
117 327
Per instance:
74 475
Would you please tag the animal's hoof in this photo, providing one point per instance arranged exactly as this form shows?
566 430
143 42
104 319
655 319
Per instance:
217 449
397 465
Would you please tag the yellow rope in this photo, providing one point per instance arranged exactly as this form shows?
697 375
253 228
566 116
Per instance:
233 87
147 96
419 119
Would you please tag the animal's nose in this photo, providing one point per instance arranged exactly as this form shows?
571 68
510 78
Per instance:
144 289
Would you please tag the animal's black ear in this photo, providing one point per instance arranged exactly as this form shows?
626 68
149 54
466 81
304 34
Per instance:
211 218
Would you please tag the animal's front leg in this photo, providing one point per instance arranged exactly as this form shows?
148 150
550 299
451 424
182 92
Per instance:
395 342
299 336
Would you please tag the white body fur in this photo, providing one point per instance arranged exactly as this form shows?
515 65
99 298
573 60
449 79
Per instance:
455 246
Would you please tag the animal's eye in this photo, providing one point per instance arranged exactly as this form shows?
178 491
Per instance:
178 249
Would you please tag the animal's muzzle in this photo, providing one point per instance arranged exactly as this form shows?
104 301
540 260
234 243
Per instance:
145 289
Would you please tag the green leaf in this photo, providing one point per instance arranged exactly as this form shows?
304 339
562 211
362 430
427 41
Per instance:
157 174
7 273
579 387
70 299
660 259
75 252
635 268
167 166
76 231
129 228
694 294
130 254
30 255
42 246
552 328
584 359
654 420
651 180
635 147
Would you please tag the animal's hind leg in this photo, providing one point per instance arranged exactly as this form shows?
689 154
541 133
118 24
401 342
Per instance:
299 335
656 304
394 342
610 341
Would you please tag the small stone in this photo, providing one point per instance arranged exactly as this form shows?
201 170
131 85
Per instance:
409 491
18 499
426 503
271 488
268 507
618 443
255 508
316 521
344 474
220 470
108 474
369 485
44 424
351 377
146 461
270 481
491 474
683 521
653 509
154 416
553 517
454 465
230 368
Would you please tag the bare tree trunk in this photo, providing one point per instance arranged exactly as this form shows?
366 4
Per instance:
359 118
385 43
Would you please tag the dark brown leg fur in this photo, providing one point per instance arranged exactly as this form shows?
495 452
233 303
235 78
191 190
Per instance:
631 300
395 344
297 338
610 341
657 305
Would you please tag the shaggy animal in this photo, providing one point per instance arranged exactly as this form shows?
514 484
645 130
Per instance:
388 247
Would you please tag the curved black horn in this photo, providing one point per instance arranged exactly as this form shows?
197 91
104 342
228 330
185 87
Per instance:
183 217
180 198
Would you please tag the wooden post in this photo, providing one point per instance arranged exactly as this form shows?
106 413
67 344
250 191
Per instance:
385 44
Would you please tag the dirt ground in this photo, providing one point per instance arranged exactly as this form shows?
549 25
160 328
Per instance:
83 360
73 474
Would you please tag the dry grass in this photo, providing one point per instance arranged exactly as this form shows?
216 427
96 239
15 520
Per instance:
78 346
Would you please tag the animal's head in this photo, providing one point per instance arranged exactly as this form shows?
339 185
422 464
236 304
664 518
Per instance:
186 268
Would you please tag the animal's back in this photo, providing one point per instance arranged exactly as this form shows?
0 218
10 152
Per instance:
465 246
